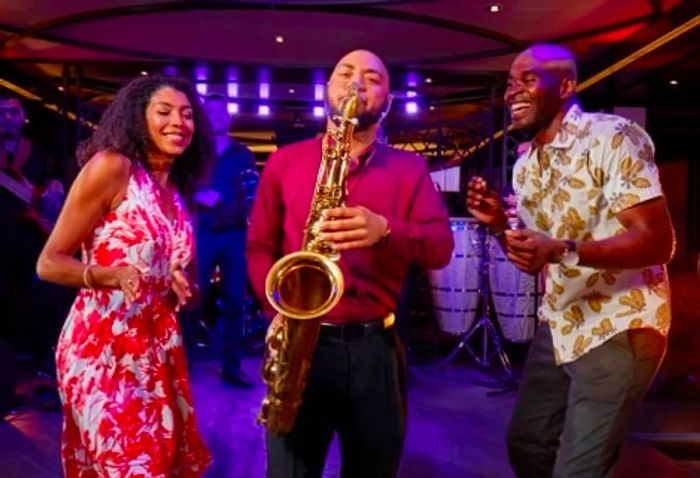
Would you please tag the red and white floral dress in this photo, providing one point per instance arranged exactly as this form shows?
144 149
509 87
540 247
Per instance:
122 371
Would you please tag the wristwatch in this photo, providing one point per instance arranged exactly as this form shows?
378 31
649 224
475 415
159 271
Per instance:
385 238
570 256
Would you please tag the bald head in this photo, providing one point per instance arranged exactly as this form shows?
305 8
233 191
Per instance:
551 58
371 75
364 60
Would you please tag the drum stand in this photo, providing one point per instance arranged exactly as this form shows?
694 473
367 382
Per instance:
248 318
201 324
489 333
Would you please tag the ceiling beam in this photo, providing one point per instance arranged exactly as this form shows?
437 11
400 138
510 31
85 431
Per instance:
658 27
352 10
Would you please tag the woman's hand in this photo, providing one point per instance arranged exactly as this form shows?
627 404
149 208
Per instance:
181 286
128 279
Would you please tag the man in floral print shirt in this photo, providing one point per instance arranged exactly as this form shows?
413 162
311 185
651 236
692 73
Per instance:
595 217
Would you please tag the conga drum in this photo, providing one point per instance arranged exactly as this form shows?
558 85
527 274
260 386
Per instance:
516 295
455 287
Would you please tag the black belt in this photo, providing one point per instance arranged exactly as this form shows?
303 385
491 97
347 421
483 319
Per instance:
352 330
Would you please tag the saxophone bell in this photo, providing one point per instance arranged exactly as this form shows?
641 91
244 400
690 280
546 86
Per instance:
304 285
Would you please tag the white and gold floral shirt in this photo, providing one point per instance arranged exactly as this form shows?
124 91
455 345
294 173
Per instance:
573 188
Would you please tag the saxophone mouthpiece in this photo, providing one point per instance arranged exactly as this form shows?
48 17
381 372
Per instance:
350 105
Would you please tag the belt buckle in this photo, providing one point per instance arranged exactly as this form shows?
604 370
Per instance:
388 321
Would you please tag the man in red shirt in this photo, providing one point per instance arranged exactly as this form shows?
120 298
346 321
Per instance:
394 218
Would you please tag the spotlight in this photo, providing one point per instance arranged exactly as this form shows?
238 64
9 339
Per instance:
264 90
319 112
428 80
232 89
292 91
201 88
201 73
673 82
144 73
263 110
232 108
279 39
431 107
411 107
319 91
232 73
411 93
494 8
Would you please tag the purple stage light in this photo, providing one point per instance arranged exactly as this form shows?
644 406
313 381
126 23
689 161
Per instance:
411 107
232 89
319 91
264 90
201 73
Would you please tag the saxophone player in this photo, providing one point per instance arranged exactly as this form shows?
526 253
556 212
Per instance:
393 218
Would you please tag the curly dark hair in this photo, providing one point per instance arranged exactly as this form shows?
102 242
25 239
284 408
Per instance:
123 129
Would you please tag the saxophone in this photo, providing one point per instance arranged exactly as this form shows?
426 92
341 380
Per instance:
306 284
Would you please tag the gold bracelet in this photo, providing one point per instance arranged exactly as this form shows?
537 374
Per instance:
87 277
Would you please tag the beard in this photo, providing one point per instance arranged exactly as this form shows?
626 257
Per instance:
365 119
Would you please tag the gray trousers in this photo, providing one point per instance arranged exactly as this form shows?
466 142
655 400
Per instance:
569 420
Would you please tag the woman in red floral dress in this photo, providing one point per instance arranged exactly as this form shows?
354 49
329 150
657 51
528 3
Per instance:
121 365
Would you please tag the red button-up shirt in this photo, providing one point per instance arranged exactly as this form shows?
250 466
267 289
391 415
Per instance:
393 183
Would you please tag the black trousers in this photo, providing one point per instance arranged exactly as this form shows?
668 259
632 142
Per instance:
31 311
569 421
227 250
356 389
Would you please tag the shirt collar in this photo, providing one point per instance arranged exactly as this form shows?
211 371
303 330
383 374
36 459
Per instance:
570 126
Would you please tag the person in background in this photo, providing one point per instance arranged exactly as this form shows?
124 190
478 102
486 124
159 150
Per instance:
122 371
30 199
222 219
594 216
